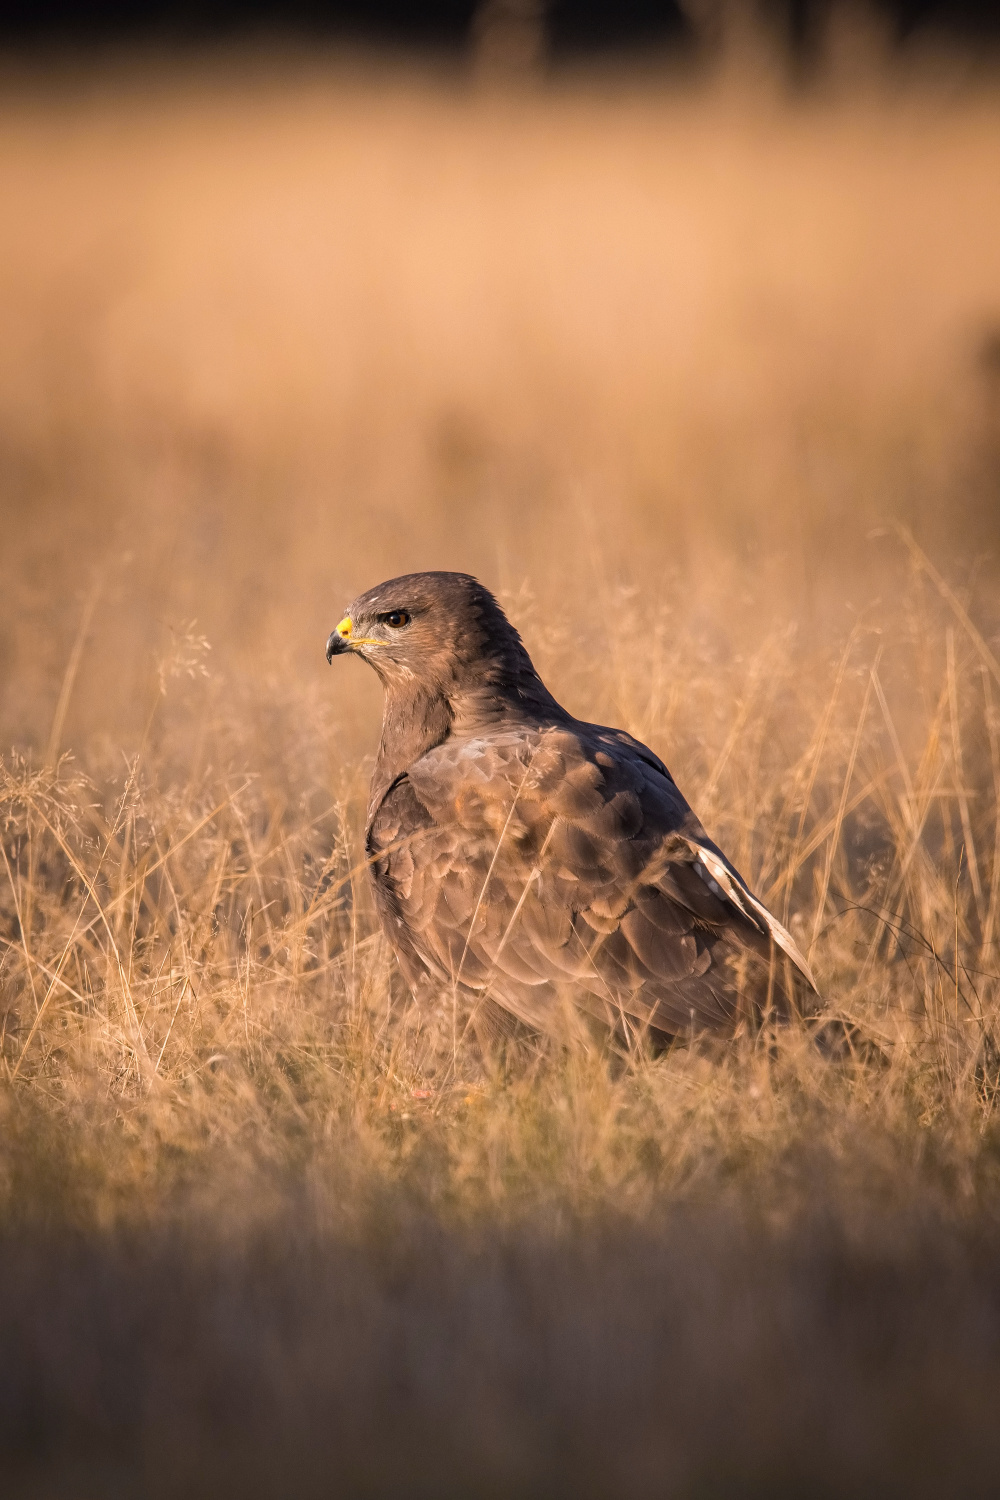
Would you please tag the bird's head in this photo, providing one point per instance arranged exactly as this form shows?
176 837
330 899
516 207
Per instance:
442 634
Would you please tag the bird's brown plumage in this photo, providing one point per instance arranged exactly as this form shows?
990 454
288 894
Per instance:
524 856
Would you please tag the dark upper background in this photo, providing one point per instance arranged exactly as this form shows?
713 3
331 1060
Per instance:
572 27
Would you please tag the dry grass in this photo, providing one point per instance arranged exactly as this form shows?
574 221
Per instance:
705 384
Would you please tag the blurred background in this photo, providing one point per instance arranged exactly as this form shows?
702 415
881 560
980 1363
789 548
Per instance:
695 300
678 324
559 29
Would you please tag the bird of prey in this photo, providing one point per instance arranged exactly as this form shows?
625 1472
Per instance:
521 858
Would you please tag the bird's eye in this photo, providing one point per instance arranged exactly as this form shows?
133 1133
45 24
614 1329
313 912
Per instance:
396 619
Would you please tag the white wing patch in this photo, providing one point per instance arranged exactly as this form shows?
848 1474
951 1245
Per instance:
721 883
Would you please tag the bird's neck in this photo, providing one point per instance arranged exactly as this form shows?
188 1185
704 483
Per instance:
416 719
413 722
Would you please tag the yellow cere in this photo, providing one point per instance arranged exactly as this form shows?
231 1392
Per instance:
346 631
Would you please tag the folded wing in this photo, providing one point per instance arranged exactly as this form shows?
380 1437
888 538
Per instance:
537 863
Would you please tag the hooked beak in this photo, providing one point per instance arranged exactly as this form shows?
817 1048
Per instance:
340 639
343 639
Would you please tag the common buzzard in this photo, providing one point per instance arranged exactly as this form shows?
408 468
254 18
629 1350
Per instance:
520 857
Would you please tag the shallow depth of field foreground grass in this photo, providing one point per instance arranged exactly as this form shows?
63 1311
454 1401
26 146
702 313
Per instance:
705 385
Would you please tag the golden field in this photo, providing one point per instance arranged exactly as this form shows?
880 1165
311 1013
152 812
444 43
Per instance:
704 381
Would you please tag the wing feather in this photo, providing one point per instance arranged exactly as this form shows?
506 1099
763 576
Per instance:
519 863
